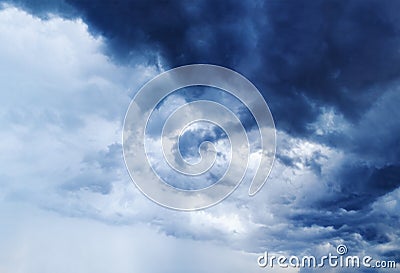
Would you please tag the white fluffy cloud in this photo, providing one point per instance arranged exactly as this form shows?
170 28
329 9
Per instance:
62 106
61 99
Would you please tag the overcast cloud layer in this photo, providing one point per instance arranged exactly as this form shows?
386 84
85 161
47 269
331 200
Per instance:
329 71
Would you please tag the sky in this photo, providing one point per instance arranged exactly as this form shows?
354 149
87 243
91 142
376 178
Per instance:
329 71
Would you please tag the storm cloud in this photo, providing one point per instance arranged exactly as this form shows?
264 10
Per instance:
329 71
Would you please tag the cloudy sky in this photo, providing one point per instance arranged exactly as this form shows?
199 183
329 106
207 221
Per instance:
329 71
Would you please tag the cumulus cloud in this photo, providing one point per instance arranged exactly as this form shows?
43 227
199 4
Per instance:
61 142
58 93
63 104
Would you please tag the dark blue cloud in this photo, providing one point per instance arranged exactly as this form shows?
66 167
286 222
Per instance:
360 185
43 8
301 55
